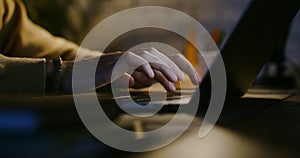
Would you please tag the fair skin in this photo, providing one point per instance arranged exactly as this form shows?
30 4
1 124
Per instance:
155 67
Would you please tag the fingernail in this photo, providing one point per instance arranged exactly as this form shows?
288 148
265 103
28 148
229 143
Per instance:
197 77
174 77
151 73
172 87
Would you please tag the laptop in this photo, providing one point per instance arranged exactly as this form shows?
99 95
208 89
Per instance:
245 51
249 46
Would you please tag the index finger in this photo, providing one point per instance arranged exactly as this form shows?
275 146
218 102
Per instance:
168 61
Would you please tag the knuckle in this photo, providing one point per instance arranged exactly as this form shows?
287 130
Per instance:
128 54
178 56
118 52
152 49
144 52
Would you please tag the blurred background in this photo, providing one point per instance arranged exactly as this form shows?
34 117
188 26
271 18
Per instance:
73 19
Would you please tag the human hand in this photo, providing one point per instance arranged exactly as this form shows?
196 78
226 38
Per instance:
167 69
151 67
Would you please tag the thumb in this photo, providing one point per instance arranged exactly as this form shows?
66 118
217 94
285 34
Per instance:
124 81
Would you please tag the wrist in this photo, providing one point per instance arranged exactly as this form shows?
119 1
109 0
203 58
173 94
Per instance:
54 76
49 76
66 77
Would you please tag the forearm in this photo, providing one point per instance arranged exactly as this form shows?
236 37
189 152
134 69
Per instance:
31 76
22 76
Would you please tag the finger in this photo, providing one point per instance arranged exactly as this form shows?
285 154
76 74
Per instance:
135 61
126 79
141 80
187 67
159 65
169 62
169 86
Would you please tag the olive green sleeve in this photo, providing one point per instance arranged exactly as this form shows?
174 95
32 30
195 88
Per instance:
24 48
20 37
22 76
